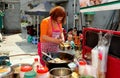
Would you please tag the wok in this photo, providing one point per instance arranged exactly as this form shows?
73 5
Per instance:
62 55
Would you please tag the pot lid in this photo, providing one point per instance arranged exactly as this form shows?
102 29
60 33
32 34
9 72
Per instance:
26 68
82 63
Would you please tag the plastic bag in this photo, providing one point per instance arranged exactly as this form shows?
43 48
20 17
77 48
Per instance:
100 53
94 55
103 48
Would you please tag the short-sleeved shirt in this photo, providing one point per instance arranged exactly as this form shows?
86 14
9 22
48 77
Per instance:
46 28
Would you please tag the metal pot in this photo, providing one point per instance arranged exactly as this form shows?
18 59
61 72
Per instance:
62 55
60 73
8 73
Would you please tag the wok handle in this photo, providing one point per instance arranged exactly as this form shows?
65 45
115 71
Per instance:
48 55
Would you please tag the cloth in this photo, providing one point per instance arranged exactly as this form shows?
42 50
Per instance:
52 32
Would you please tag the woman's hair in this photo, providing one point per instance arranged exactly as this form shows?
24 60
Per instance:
58 11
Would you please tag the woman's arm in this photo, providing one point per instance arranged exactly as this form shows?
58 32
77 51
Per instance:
50 39
62 37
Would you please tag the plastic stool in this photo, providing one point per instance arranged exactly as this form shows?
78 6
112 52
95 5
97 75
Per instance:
35 40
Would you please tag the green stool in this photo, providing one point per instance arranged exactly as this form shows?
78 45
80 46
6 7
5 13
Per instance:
29 39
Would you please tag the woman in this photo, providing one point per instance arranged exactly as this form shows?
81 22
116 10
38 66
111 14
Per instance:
51 34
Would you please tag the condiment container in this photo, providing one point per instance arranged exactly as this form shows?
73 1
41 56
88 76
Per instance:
30 74
42 72
82 66
35 64
73 66
24 69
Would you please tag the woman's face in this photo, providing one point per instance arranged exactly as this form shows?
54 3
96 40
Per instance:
59 19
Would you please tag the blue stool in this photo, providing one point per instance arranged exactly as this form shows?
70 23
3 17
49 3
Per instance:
35 40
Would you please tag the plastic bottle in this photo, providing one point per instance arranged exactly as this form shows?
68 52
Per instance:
94 53
82 66
42 72
24 69
35 64
95 60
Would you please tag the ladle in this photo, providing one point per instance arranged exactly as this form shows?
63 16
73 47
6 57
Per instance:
48 56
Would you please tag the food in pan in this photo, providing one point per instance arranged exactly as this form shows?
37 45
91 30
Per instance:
57 60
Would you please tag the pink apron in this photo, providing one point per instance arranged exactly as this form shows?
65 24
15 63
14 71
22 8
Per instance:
49 46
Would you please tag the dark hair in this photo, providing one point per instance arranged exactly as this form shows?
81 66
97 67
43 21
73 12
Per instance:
58 11
70 29
75 28
78 32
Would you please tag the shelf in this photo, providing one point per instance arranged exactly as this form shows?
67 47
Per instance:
102 7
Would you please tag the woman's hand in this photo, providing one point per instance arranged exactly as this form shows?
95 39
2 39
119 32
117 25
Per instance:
60 41
54 40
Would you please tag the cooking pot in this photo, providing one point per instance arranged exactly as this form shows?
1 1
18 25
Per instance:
65 46
61 55
60 73
6 72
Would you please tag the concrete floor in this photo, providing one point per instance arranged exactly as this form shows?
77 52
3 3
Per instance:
15 44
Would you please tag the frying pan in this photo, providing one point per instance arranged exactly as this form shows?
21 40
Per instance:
62 55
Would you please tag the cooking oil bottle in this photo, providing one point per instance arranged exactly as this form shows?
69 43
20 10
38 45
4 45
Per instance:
35 64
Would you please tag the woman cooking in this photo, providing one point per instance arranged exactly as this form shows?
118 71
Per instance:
51 33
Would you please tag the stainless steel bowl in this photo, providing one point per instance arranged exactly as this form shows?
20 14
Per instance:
60 73
8 73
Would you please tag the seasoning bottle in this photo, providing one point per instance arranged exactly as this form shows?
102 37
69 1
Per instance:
82 66
24 69
42 72
35 64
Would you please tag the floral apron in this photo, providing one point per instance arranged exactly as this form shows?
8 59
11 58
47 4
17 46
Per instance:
49 46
